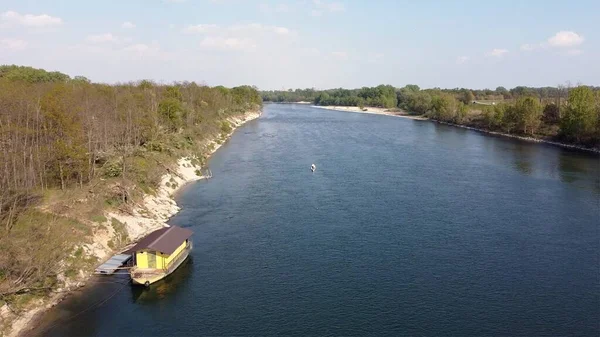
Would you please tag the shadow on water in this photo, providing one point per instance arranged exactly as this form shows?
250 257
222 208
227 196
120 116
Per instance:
164 288
85 309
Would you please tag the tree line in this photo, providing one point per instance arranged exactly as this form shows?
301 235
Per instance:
89 144
564 113
53 128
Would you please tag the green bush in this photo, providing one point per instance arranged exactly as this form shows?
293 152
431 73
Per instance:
99 218
112 169
154 146
226 127
113 201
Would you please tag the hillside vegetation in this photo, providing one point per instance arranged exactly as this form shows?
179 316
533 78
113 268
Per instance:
565 114
70 150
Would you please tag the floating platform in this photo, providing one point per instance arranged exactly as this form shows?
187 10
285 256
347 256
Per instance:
113 264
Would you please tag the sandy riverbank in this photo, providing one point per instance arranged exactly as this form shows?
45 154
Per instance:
151 214
370 110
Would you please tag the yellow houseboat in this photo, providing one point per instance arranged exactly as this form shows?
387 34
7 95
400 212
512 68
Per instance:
159 254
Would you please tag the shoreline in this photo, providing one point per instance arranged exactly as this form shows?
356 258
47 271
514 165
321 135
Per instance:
382 111
371 110
524 138
152 214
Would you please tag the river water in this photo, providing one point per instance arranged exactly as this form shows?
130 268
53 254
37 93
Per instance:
405 228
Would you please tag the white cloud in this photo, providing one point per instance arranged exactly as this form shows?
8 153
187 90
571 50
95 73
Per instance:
329 6
175 1
139 47
260 28
575 52
217 43
462 59
102 38
282 8
144 51
202 28
340 55
241 28
265 8
13 44
565 39
241 37
528 47
312 51
127 25
316 13
498 52
375 57
281 30
30 20
279 8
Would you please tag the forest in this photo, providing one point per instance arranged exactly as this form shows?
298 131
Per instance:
92 145
563 113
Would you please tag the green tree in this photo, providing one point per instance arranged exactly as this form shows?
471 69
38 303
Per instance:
461 112
444 107
65 150
580 118
550 114
528 114
467 97
488 116
502 91
171 111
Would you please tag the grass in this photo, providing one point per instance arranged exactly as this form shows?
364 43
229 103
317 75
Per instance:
98 218
121 236
54 236
226 127
78 253
113 201
119 227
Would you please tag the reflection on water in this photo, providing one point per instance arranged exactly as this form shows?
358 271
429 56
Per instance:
572 167
523 157
164 288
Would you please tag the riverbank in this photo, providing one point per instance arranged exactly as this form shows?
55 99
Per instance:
371 110
150 214
528 139
387 112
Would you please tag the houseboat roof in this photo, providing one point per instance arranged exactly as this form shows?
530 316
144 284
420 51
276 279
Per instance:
165 240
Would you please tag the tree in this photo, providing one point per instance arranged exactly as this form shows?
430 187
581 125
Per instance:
81 79
467 96
444 107
550 114
412 87
528 112
461 112
502 91
580 117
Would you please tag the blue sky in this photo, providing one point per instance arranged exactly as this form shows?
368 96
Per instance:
280 44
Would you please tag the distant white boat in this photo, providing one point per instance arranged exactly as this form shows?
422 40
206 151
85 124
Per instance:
313 167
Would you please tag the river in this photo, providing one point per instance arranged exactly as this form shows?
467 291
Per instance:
405 228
